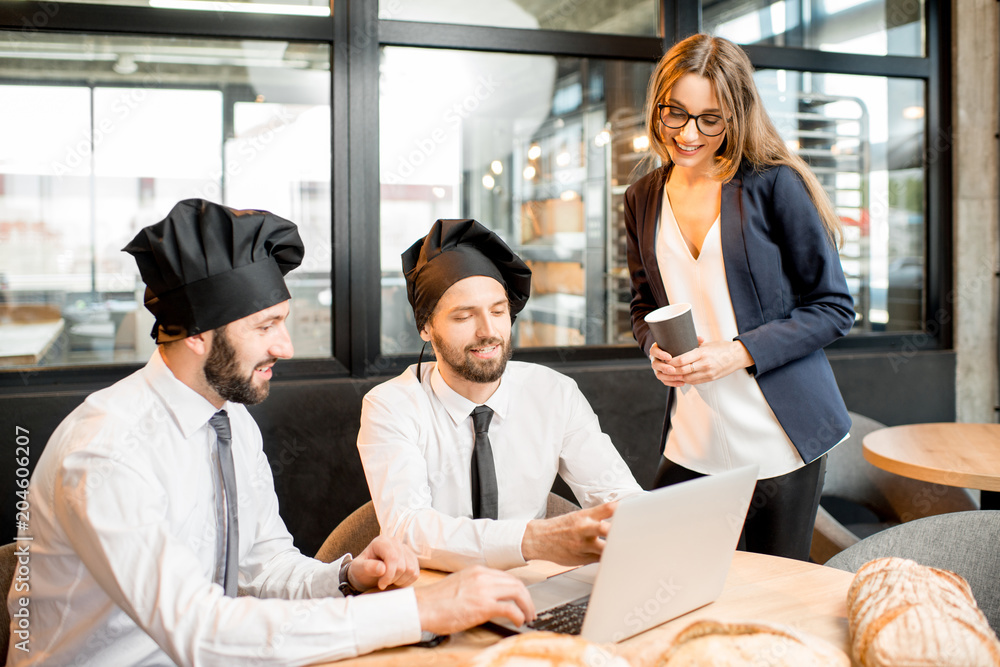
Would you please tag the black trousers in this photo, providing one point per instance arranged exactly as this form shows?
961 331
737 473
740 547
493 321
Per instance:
782 511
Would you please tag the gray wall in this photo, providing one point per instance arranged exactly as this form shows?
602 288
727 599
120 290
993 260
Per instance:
310 427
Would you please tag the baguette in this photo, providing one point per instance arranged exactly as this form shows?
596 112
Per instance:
547 649
715 644
903 614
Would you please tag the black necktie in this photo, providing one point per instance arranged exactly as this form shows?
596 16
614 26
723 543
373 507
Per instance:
220 422
484 474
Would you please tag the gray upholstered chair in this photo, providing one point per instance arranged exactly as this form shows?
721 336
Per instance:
8 564
557 506
361 527
967 543
877 499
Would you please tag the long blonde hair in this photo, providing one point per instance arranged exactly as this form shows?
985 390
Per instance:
750 134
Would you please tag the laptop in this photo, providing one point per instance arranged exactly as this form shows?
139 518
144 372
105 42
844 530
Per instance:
668 552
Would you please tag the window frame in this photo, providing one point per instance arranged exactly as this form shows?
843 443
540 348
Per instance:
355 34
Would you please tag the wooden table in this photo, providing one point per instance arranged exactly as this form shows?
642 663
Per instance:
25 343
809 598
964 455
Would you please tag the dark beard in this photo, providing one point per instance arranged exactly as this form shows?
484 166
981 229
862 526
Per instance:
468 367
223 373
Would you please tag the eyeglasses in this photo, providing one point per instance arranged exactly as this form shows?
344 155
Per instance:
709 124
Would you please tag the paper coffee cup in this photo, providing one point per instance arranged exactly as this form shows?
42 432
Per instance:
673 328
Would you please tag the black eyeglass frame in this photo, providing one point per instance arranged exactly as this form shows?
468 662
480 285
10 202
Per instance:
697 119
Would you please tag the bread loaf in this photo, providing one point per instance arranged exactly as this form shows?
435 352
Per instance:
547 649
903 614
715 644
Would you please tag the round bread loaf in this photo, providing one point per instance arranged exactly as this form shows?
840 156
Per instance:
715 644
547 649
903 614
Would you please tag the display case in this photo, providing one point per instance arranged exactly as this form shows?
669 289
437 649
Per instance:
831 133
571 174
560 221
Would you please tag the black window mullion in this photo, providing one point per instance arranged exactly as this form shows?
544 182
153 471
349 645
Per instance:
340 234
518 40
688 18
812 60
361 48
940 141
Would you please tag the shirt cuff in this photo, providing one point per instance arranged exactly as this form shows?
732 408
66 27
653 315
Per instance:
502 544
325 580
385 619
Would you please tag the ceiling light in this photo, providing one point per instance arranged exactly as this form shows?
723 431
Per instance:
244 7
125 64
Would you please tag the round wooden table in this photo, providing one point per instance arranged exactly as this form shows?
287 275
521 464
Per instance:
963 455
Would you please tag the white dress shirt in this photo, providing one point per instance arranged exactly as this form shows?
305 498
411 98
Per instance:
416 444
123 555
725 423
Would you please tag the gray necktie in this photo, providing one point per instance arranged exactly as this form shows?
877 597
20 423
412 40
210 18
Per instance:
484 474
220 422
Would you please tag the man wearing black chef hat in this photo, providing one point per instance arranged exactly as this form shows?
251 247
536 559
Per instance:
460 454
153 503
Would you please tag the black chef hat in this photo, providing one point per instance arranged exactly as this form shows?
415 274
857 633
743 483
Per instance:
454 250
207 265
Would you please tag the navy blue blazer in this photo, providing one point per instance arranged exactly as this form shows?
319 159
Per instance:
788 291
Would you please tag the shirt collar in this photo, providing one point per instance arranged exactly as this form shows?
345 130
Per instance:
459 407
189 409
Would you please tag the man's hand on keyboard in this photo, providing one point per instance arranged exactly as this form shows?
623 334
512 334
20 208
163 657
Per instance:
576 538
566 618
472 597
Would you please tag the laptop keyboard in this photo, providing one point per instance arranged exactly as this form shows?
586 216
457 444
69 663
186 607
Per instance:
566 618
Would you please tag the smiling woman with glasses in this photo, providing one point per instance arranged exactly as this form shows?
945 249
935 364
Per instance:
738 227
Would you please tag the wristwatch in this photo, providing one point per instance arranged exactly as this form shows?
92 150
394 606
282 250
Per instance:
345 586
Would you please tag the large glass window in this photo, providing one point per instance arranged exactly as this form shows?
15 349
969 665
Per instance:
620 17
871 27
536 138
116 132
538 148
863 137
